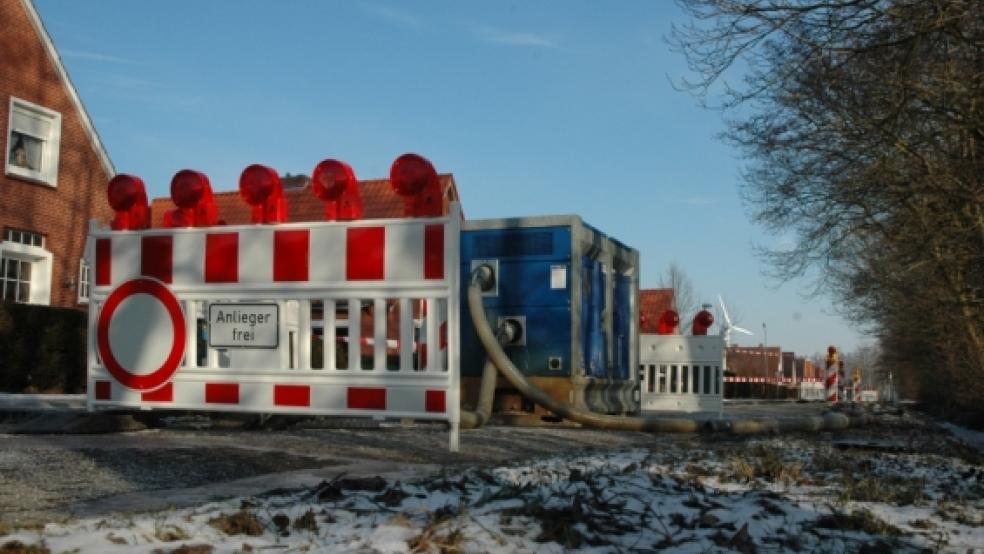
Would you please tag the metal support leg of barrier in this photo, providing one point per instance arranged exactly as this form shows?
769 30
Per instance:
453 442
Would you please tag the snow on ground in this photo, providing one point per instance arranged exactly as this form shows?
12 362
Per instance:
775 495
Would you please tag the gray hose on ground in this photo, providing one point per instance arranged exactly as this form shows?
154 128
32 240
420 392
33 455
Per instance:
518 380
483 411
497 356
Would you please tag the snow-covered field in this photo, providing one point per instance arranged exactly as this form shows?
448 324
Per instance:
762 495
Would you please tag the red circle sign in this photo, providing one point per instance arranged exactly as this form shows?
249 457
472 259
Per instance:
159 376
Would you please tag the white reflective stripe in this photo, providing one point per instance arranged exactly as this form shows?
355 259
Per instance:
188 258
327 254
126 258
256 256
404 253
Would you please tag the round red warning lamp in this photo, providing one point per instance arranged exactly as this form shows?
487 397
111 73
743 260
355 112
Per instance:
704 318
188 187
410 174
124 191
331 178
257 183
668 322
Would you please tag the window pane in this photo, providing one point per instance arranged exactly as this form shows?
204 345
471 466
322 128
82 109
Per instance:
25 151
11 272
24 292
37 240
651 385
707 379
685 379
673 378
25 271
10 291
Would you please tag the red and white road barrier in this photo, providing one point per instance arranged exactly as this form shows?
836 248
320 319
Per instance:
831 375
226 317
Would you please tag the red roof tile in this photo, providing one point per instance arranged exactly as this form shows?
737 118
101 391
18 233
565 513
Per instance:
378 202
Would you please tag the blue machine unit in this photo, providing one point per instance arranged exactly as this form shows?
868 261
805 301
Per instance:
575 292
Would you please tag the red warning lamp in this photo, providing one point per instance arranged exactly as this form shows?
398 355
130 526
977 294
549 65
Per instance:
702 322
192 194
415 179
128 198
668 322
335 184
260 187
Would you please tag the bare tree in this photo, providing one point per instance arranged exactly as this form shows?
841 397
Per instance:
685 300
862 122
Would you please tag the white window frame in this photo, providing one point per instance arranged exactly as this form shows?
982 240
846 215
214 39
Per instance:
83 281
40 292
47 174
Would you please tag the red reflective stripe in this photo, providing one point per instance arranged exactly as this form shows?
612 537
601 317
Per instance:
222 258
104 390
222 393
434 252
104 261
365 249
290 255
434 401
292 395
361 398
163 394
155 257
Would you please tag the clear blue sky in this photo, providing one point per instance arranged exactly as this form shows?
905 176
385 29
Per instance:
536 107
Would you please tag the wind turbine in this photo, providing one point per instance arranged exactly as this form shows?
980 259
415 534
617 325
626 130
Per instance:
727 326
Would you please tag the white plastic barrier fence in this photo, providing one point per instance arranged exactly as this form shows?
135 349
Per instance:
352 318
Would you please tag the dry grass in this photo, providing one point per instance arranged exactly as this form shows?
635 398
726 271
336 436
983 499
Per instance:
17 547
890 490
188 549
239 523
762 462
307 522
170 533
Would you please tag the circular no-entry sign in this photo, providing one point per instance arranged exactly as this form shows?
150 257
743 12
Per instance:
141 334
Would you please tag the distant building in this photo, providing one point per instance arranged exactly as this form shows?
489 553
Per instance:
754 361
55 168
788 365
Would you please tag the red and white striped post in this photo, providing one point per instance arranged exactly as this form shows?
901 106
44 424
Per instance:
831 374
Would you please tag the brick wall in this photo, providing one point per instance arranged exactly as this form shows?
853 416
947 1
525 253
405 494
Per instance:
61 214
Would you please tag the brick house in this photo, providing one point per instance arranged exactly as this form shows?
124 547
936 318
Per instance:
55 168
754 361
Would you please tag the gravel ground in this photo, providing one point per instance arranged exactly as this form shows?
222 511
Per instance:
46 478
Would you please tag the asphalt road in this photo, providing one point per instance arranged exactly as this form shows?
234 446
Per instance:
195 459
